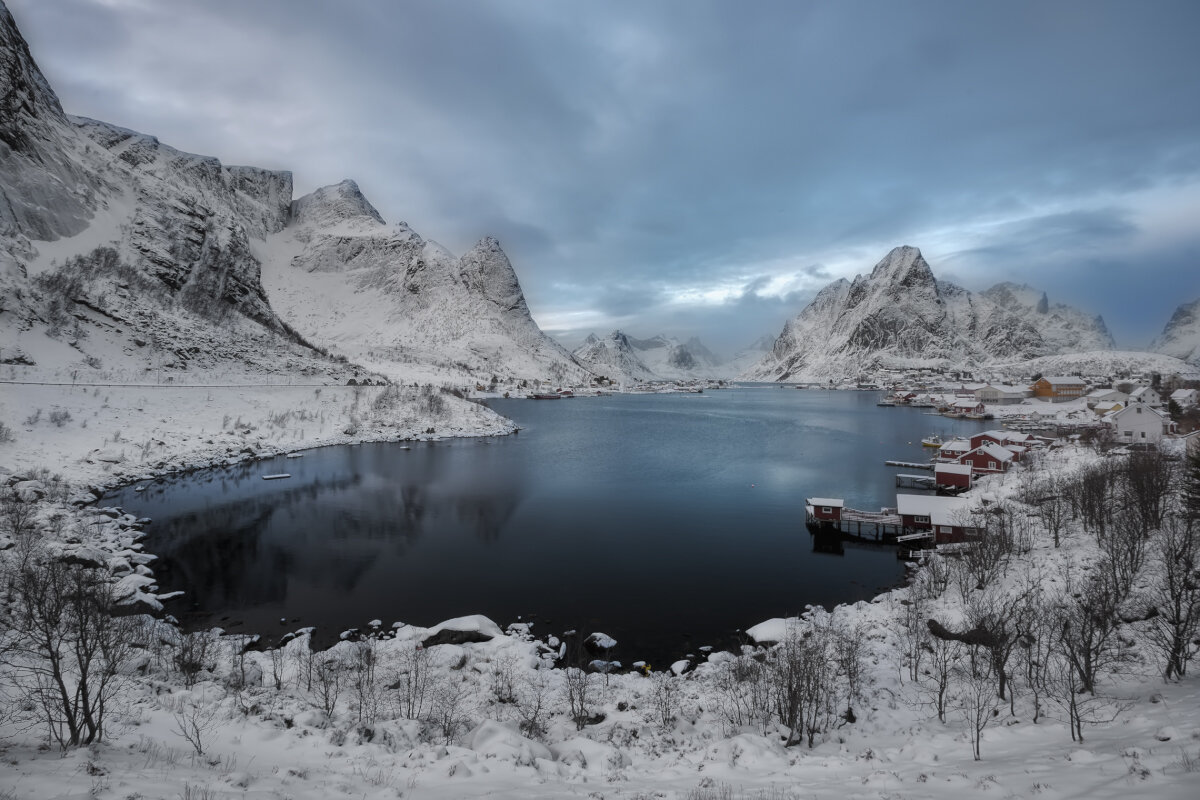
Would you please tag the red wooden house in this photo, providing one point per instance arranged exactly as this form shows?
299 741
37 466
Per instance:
824 509
949 518
956 477
988 458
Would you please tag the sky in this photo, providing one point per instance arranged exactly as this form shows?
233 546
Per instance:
690 167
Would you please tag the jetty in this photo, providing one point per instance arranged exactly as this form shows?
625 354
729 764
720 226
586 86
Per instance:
831 514
904 481
910 464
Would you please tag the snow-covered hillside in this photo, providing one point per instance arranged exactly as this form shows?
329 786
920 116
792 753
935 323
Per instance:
133 257
384 297
1181 336
901 316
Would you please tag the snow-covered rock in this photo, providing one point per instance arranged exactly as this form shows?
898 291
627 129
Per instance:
1181 335
625 359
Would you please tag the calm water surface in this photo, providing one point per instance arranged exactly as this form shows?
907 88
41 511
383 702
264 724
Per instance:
666 521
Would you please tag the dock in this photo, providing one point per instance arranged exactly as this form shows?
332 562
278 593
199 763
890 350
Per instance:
828 515
910 464
904 481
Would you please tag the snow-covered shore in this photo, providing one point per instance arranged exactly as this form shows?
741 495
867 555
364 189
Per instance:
266 742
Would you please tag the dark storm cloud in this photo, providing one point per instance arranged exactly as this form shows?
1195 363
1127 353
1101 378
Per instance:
679 150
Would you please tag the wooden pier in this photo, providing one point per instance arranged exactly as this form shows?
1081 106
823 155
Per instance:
904 481
877 525
910 464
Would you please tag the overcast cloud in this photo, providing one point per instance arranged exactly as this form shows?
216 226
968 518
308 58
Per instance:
692 167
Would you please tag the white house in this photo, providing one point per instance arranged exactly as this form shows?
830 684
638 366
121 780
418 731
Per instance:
1186 398
1147 395
1098 397
1139 423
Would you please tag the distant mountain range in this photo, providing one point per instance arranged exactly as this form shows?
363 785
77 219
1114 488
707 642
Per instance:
901 316
625 359
133 256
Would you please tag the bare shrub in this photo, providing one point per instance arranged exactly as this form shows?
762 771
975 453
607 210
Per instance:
579 691
327 682
533 697
1176 595
68 651
194 722
195 654
665 699
414 682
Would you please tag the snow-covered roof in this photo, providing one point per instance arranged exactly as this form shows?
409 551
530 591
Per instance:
940 510
1108 392
1183 394
1064 380
826 501
952 468
1142 390
966 403
1134 409
956 445
994 451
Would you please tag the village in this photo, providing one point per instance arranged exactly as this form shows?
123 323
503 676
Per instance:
1113 416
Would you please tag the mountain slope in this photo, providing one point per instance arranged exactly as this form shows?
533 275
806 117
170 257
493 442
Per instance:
901 316
613 357
381 295
1181 335
106 228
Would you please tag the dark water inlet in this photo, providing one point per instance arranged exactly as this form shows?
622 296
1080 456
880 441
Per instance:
667 521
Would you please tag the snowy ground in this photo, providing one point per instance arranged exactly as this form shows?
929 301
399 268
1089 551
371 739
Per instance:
263 742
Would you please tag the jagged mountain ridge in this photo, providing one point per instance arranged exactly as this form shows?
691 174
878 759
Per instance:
184 234
627 359
1181 335
383 295
900 316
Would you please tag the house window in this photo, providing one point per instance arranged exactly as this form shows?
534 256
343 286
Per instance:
1143 434
826 510
919 518
947 529
991 465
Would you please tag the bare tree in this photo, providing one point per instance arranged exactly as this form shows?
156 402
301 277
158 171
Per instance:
1148 482
912 631
68 650
943 657
532 699
579 690
664 700
1053 507
415 681
1087 626
742 691
1176 595
1124 548
1094 487
196 653
195 722
976 703
327 682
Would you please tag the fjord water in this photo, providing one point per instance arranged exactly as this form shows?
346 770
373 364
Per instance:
667 521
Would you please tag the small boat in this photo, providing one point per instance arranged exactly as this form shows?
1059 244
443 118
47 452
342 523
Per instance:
932 440
545 397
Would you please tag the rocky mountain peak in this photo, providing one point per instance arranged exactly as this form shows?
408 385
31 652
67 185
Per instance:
486 268
330 205
25 94
1181 335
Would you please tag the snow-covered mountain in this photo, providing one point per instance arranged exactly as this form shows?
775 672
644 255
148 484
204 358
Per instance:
900 316
613 357
150 258
624 358
1063 328
385 297
1181 336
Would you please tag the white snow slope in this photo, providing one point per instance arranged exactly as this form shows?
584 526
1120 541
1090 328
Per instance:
626 359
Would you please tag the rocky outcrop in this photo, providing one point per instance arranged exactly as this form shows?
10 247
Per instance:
1181 335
